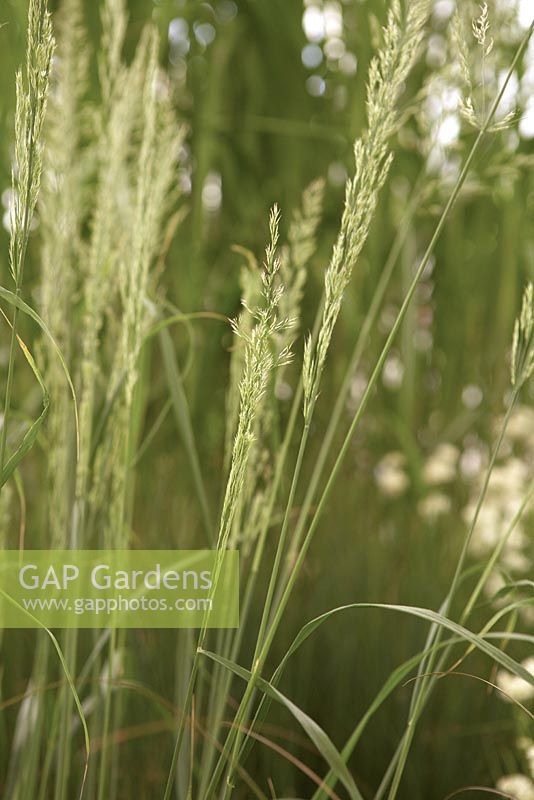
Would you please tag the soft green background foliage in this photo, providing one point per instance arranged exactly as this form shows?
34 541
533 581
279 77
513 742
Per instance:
255 130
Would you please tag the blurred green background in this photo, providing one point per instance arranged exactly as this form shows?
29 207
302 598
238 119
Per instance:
273 101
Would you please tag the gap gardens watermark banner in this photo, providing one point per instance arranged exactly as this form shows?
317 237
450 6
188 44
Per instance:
119 588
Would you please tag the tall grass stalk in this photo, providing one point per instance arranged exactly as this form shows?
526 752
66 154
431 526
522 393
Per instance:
158 154
32 97
387 74
334 420
61 210
233 739
373 158
259 366
254 519
522 365
368 323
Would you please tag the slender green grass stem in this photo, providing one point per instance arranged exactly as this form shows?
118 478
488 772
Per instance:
357 353
18 268
477 591
19 272
260 661
183 718
65 705
358 350
424 684
282 539
103 774
9 386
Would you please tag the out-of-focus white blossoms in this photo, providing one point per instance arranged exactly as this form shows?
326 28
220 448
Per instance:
441 467
507 488
434 505
390 474
520 787
447 465
517 786
521 426
516 688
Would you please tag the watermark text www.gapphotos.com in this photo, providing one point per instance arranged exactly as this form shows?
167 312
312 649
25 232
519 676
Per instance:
119 588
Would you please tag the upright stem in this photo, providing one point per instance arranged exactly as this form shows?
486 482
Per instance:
19 272
235 735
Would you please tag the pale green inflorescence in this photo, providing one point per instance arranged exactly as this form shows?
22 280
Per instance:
32 95
259 364
473 109
373 158
62 210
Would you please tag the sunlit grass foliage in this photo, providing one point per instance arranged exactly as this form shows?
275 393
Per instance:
267 285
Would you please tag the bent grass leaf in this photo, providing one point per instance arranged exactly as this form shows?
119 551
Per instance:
320 739
12 299
30 436
400 673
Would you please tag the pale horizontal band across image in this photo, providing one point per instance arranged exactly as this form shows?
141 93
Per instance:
119 588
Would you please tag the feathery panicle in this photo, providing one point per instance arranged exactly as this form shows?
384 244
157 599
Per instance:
299 250
250 285
294 259
458 39
159 152
259 365
522 361
110 68
387 73
62 210
160 146
474 110
481 27
32 94
116 126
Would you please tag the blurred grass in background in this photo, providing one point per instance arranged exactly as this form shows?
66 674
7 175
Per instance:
273 95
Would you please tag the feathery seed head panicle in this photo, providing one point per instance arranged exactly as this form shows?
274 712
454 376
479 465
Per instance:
459 41
250 284
300 248
481 27
473 110
292 272
161 139
522 361
387 74
114 20
32 93
304 224
62 210
260 362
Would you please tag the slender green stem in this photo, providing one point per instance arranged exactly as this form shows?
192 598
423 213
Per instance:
102 785
259 663
420 692
358 350
425 683
19 272
339 406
